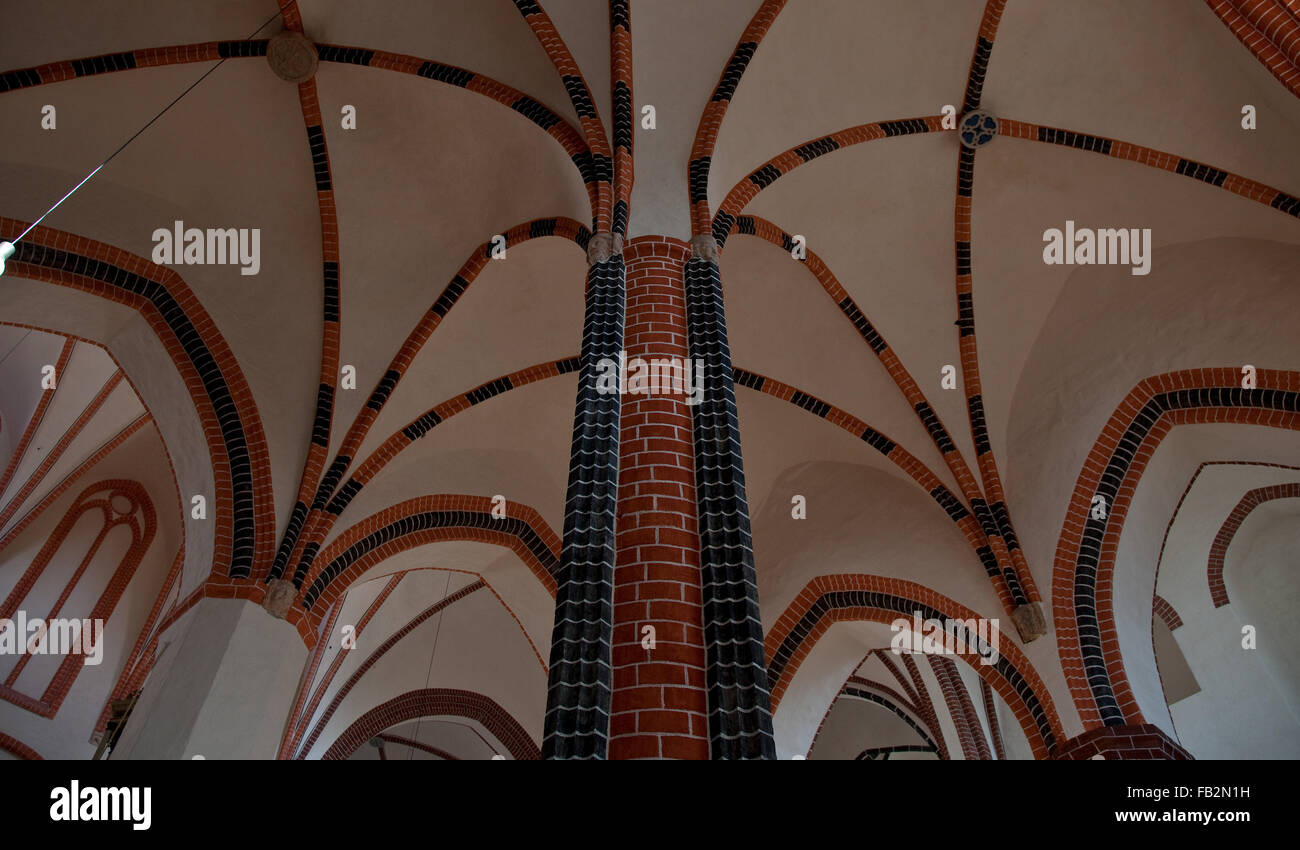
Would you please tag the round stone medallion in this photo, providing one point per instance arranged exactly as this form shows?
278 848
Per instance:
977 129
292 56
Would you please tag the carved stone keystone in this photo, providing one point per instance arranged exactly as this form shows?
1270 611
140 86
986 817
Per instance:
977 128
292 56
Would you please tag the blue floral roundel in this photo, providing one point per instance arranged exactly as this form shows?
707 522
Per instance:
977 128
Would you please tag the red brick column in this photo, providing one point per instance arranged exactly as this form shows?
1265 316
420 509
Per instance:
659 704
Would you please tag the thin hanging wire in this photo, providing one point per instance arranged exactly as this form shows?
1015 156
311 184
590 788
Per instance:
85 179
428 676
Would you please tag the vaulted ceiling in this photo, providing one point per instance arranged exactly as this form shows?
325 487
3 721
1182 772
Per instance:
433 171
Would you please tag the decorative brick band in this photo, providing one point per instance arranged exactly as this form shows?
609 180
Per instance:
422 425
885 659
291 16
592 167
1087 639
76 474
991 507
1160 607
740 712
90 462
302 712
1222 540
154 57
435 702
18 748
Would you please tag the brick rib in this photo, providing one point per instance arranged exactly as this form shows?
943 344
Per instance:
965 521
991 712
311 533
992 509
828 599
379 652
433 702
56 452
331 323
1003 577
300 716
1082 585
748 188
213 51
1223 539
593 129
243 500
422 520
38 415
706 134
325 517
1268 30
1226 180
620 61
960 708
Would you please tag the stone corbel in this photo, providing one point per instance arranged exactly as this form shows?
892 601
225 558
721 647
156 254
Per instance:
705 247
603 246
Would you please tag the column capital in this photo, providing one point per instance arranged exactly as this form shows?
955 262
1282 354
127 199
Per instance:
279 598
603 246
705 247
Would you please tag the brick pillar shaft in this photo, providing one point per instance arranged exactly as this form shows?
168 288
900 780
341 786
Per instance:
659 703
